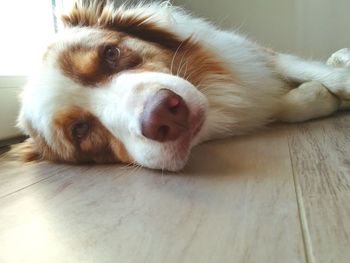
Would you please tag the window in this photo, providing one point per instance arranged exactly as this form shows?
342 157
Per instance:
26 27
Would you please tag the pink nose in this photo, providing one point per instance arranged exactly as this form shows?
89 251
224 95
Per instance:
165 116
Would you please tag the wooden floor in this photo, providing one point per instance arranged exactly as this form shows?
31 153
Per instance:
281 195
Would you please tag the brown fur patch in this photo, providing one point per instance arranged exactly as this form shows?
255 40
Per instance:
25 151
100 146
82 63
199 65
190 61
97 14
34 148
147 31
185 58
86 65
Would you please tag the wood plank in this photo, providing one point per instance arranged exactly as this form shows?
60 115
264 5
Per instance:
15 175
235 202
321 160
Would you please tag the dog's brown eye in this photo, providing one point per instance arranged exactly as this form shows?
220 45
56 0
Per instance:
79 130
111 54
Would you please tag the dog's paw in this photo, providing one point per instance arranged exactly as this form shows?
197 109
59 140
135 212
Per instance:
341 58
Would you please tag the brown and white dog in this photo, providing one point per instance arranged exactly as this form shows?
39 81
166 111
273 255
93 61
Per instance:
144 84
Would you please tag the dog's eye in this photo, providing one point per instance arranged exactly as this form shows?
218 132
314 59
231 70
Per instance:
111 54
79 130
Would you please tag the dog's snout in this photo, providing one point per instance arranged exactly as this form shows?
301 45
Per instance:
165 116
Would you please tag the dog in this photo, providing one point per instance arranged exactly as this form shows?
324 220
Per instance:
144 84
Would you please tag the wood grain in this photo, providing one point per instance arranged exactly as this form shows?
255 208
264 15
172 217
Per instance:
235 202
320 153
15 176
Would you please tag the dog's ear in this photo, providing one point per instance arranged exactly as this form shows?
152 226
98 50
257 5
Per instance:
25 151
84 13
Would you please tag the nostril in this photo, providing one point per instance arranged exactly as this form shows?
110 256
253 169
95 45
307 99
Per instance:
163 131
173 110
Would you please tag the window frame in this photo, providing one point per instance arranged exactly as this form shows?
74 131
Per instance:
10 88
12 81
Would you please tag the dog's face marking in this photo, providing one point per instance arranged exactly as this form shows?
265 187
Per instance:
85 102
94 63
78 136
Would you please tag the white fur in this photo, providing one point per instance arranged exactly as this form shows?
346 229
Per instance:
261 95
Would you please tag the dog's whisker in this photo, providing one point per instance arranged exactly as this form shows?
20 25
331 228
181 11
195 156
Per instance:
174 56
127 166
188 77
180 66
135 169
180 70
182 57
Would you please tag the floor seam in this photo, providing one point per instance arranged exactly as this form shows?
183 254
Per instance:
25 187
308 250
34 183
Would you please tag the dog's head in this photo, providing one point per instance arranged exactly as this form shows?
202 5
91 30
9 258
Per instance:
115 86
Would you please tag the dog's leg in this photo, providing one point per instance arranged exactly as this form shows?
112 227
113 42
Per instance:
309 101
337 80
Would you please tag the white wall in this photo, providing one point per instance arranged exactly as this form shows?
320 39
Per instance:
311 28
